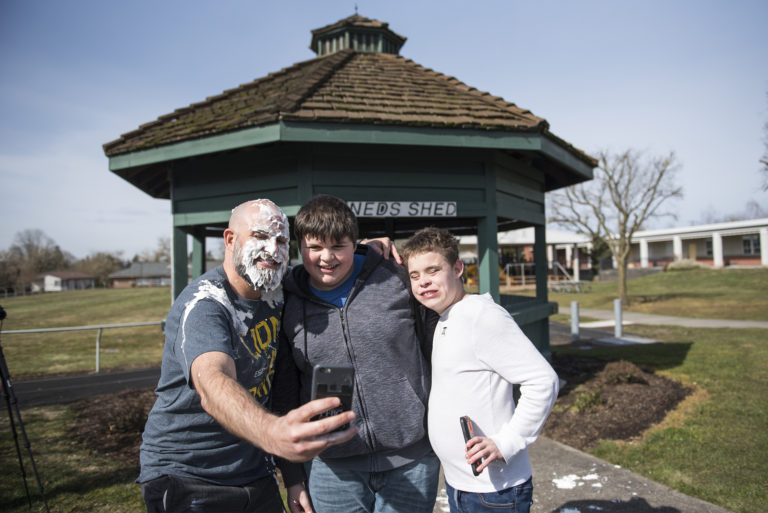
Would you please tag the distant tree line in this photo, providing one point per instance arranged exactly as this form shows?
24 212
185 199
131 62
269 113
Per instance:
33 253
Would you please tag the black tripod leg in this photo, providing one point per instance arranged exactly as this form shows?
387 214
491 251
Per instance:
13 404
6 393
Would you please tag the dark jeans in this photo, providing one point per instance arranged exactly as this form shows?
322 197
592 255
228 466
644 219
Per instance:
174 494
517 499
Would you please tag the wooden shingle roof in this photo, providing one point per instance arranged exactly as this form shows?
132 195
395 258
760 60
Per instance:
255 103
344 87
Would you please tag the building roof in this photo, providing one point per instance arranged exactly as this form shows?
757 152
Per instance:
343 87
152 270
747 226
67 275
143 270
526 237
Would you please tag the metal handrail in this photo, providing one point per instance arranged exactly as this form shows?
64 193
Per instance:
99 327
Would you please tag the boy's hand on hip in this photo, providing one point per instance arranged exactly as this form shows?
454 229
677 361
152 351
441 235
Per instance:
485 448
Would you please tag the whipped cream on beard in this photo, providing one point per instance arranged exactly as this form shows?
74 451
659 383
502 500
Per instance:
262 278
268 280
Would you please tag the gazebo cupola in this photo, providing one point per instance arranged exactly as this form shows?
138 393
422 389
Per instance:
358 33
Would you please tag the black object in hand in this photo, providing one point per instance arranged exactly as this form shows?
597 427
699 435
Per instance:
469 432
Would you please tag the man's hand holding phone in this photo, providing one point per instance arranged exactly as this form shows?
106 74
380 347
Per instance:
296 437
305 432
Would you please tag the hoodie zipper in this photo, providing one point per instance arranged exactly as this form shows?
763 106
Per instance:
350 353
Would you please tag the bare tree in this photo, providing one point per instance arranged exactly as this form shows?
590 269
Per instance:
752 210
100 265
161 253
628 189
32 253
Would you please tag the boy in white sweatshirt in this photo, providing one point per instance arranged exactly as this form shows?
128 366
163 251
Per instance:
478 354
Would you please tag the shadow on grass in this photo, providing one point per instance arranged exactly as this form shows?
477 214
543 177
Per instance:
639 299
66 469
80 482
658 356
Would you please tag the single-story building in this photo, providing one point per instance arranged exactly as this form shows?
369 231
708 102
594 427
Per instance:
142 274
149 274
56 281
569 250
735 243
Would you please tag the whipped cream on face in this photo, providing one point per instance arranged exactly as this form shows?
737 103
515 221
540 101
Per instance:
268 243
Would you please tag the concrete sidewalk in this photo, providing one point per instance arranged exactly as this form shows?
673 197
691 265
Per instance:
566 480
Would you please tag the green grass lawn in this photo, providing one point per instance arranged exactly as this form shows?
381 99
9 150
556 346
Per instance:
73 478
702 293
75 351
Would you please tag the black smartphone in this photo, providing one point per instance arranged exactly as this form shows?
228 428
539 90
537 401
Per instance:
469 432
333 381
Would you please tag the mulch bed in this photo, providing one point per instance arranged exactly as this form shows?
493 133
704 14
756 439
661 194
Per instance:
611 401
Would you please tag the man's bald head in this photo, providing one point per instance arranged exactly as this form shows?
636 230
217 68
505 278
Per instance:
262 208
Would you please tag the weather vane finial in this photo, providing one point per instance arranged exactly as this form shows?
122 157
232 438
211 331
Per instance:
355 8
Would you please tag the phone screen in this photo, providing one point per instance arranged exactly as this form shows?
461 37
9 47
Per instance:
333 381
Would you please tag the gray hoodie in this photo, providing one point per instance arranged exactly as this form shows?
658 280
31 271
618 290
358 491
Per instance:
376 333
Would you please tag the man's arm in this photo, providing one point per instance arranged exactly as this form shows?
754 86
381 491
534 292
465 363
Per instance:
285 397
292 436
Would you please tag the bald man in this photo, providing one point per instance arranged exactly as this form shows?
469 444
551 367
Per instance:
208 439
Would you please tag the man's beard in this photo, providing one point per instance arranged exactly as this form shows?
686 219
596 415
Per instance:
260 278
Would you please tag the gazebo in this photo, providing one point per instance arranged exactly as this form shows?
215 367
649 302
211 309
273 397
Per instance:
404 145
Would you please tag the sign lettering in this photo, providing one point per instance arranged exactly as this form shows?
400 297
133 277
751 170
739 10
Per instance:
403 208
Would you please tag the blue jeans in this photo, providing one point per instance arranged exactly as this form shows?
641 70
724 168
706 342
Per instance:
411 488
174 494
517 499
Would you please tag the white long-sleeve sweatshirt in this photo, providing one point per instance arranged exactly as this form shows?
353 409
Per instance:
478 353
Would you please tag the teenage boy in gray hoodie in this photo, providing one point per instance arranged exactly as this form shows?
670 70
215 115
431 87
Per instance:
347 305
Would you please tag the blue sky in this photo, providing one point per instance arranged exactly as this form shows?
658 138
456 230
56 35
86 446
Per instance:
685 76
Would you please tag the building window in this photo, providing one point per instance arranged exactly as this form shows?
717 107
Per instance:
751 244
708 245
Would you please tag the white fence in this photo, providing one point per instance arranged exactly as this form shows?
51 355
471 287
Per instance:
99 327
